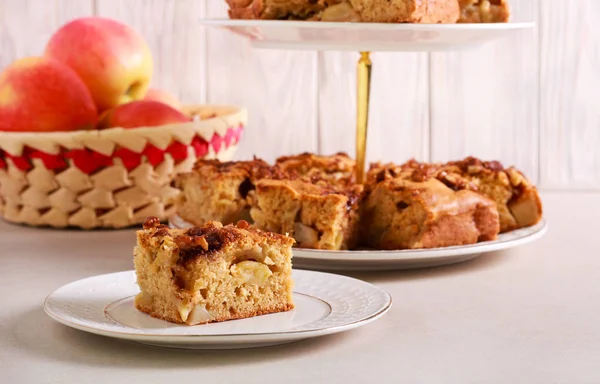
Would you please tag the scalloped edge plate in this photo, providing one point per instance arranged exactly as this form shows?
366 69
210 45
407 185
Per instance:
325 304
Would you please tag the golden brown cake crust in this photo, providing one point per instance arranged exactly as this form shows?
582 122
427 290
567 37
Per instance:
209 239
338 169
174 317
377 11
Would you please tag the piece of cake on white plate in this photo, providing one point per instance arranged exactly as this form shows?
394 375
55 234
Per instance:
217 191
316 216
212 273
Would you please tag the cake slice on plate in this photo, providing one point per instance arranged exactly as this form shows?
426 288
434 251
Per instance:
316 216
216 191
212 273
516 198
414 213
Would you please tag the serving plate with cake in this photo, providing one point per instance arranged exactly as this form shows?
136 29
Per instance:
215 287
369 25
402 216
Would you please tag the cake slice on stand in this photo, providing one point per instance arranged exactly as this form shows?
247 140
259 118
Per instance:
371 11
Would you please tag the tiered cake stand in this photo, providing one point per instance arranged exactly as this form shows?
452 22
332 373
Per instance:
365 38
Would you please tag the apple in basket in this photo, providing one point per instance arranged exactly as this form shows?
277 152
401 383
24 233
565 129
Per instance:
142 113
163 96
111 58
61 166
41 95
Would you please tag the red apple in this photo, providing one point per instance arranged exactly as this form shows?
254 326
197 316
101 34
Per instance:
113 60
41 95
143 113
162 96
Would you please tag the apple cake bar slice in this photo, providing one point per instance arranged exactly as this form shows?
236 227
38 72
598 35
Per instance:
406 214
315 216
216 191
373 11
516 198
212 273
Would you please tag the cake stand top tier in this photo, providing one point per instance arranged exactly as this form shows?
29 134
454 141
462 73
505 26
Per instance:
334 36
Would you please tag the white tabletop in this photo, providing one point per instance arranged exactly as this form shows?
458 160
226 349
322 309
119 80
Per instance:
529 315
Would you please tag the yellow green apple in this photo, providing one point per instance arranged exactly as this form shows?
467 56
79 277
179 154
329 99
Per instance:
111 58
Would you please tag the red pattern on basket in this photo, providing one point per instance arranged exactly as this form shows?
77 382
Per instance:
89 161
201 146
50 161
130 159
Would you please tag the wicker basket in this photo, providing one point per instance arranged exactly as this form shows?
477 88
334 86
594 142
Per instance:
112 178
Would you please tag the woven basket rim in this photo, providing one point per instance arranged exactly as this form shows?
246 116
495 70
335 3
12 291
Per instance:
46 177
103 141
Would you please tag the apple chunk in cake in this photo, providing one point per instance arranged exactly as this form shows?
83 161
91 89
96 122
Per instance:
484 11
212 273
316 216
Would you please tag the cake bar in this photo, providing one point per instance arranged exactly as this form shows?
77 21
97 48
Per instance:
373 11
406 214
212 273
315 216
517 200
216 191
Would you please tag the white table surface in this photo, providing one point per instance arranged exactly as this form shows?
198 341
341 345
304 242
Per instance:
529 315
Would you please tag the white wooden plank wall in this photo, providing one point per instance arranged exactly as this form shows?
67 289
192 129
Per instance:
277 87
484 101
570 94
531 100
26 25
399 114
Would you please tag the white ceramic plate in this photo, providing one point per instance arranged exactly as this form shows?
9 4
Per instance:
325 304
309 35
374 260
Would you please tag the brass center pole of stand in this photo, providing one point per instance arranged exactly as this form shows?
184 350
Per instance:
363 91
